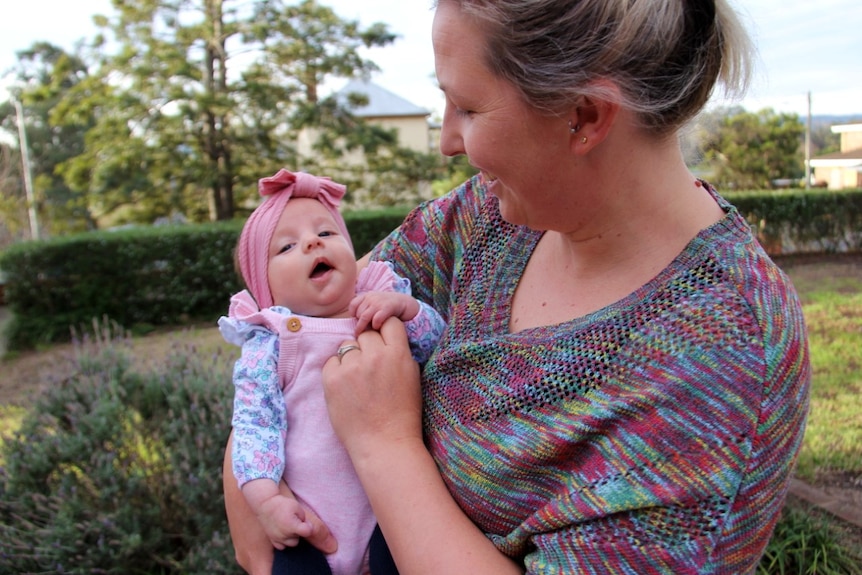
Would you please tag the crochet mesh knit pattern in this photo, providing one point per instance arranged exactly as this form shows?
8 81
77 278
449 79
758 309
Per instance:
656 435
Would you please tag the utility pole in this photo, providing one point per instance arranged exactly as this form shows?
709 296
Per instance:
28 180
808 146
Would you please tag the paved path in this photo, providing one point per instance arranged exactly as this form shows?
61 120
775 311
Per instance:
846 504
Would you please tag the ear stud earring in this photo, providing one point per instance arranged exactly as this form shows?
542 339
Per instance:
574 129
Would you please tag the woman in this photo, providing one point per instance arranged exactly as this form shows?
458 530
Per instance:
623 383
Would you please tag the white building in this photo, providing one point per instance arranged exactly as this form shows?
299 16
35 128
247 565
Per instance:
842 169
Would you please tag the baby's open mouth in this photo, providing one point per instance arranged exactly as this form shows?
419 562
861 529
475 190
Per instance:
320 269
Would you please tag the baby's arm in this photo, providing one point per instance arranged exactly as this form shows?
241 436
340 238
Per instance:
283 518
374 308
260 422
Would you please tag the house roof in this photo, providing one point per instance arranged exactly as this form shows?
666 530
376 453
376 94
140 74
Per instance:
381 102
848 159
840 128
848 155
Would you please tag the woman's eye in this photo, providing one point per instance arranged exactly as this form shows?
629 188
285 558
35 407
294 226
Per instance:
464 113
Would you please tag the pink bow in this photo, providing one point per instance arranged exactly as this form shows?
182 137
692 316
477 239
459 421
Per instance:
304 186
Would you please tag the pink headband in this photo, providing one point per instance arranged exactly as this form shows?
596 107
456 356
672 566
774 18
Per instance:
253 249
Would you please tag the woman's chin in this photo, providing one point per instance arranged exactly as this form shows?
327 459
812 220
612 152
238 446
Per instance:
510 214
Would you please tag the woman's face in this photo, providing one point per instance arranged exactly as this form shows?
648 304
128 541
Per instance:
518 150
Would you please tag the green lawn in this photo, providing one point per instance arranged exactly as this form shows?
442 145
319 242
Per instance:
832 303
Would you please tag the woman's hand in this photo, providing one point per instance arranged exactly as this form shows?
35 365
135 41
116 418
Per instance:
373 394
375 405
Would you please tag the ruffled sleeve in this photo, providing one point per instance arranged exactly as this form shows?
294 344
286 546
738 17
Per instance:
379 276
244 318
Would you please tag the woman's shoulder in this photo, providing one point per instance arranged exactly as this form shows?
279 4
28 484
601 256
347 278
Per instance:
729 258
470 198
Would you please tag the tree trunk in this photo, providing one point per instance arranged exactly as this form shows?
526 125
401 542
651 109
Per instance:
216 142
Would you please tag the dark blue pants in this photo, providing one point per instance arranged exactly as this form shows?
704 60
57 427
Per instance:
305 559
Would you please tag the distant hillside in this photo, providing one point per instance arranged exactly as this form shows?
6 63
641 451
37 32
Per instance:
832 120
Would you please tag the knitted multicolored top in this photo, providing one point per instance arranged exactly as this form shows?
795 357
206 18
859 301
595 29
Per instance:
657 435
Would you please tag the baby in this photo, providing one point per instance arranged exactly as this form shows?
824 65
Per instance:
304 289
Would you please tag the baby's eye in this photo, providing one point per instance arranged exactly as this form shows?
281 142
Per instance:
326 234
286 247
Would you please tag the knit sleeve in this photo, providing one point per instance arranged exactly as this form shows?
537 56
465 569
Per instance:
783 407
259 414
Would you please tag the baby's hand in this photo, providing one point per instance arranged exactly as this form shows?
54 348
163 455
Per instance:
284 521
374 308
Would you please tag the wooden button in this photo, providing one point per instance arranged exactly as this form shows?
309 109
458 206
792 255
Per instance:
293 324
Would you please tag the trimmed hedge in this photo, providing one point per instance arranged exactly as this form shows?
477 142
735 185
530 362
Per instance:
175 275
804 222
139 278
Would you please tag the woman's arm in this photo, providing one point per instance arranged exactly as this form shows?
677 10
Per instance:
375 406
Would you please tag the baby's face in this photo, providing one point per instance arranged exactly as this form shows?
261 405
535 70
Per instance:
312 268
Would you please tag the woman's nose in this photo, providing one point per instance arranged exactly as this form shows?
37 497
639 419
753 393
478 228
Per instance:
451 142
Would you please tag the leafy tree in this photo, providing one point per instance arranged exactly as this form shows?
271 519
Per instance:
310 45
13 205
749 150
179 106
45 73
457 170
823 140
176 126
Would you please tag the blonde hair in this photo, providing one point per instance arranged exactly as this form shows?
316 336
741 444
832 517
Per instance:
664 56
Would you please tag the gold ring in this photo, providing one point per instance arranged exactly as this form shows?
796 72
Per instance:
344 349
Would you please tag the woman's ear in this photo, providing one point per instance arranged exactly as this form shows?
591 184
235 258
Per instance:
592 119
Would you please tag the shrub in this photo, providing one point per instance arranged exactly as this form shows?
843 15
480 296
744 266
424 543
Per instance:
115 471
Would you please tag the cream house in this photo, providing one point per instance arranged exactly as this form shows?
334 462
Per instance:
842 169
389 111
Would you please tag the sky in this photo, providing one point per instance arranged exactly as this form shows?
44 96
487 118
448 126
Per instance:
803 47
